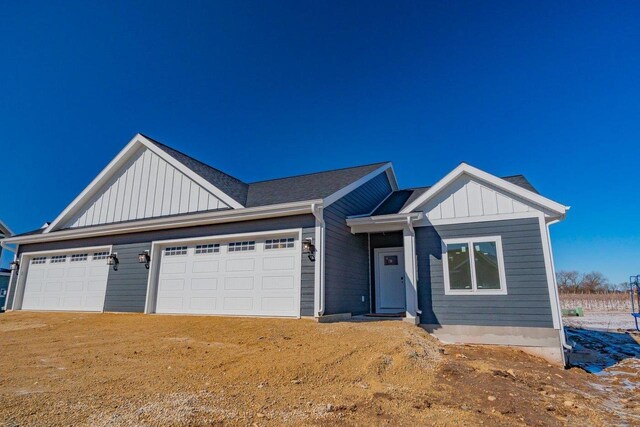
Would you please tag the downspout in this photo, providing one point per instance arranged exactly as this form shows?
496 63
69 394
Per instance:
317 211
563 338
415 260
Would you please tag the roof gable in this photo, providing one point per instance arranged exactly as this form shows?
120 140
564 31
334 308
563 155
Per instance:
142 181
481 192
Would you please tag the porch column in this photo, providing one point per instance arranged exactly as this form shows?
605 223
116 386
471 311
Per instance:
410 274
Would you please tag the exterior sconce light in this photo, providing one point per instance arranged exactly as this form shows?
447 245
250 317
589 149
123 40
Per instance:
15 265
144 258
113 260
309 249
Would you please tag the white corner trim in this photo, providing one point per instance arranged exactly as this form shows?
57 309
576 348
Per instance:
481 175
471 241
349 188
554 298
123 156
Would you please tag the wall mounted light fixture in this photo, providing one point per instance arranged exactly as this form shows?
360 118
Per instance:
308 248
113 260
15 265
144 258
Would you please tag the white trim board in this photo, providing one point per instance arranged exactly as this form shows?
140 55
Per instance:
465 169
119 161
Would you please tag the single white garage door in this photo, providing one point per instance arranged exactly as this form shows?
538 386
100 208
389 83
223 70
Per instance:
251 277
72 282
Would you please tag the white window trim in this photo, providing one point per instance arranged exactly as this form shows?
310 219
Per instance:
470 242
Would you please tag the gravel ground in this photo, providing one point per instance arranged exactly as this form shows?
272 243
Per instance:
115 369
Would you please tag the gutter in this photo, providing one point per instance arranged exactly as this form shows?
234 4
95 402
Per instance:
182 221
318 213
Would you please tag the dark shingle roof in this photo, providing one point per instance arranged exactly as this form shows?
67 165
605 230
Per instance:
226 183
305 187
282 190
402 198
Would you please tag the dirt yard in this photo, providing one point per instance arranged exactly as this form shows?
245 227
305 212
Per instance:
117 369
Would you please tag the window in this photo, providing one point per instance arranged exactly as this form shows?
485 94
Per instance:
39 260
242 246
58 258
473 266
175 250
279 243
78 257
100 255
213 248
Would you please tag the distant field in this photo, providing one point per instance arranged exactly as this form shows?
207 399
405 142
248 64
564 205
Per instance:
597 302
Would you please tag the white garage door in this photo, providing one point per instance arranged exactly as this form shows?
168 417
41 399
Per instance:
253 277
72 282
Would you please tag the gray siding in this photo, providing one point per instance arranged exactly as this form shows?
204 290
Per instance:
307 291
127 287
346 255
527 302
4 285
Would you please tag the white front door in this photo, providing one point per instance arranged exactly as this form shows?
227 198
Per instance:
249 276
390 290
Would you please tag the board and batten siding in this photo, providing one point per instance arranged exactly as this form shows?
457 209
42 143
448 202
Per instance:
347 255
121 288
127 286
467 198
146 187
527 303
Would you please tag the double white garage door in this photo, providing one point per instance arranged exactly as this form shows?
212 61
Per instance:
256 277
71 282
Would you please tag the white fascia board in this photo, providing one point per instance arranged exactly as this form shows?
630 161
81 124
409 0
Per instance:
379 223
123 156
5 230
481 175
188 172
349 188
97 182
181 221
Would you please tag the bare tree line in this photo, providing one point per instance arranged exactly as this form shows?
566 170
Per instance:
572 281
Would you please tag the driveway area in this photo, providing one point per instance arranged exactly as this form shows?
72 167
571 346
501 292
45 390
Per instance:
130 369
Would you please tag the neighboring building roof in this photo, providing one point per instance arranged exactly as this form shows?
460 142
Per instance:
305 187
398 200
4 230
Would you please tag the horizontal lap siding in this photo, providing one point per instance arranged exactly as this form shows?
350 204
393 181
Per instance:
346 255
127 287
527 301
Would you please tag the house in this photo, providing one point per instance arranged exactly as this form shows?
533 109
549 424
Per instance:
4 273
468 258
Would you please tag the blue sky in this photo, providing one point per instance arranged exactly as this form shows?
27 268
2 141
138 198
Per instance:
265 89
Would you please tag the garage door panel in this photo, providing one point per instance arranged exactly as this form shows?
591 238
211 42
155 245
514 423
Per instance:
174 267
64 285
260 280
246 264
208 266
209 283
278 282
278 304
172 285
238 283
278 263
